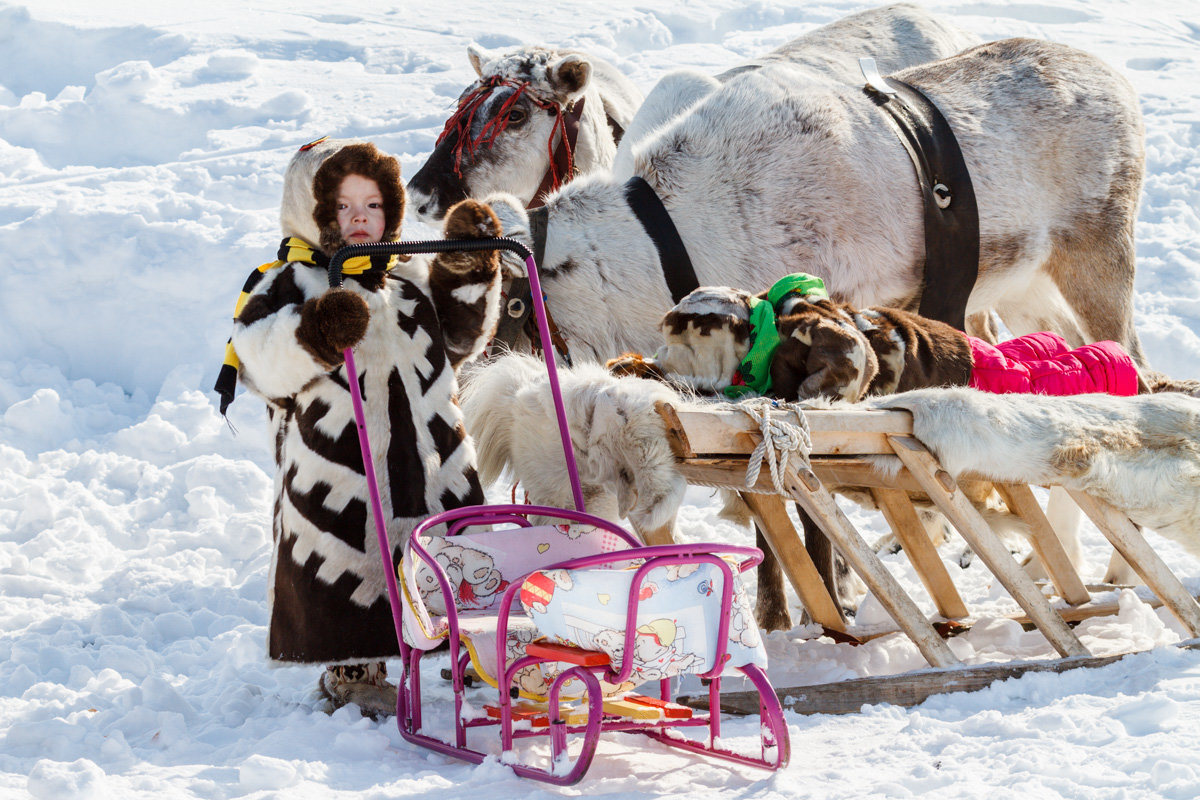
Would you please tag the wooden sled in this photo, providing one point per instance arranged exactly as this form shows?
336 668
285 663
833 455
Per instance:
713 448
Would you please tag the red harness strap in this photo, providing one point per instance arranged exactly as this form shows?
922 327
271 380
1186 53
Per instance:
562 161
562 158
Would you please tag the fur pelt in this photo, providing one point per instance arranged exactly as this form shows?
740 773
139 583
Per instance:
826 349
1141 454
618 437
326 588
774 172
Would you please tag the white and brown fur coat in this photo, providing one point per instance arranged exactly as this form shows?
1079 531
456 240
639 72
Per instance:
327 591
826 349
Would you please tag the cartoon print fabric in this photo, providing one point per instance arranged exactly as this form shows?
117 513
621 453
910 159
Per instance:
679 607
479 567
678 617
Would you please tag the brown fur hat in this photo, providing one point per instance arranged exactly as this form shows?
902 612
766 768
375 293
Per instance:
356 159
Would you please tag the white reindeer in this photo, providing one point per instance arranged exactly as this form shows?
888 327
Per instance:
523 94
776 172
519 156
896 36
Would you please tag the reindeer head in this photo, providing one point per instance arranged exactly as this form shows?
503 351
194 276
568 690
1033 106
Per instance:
504 133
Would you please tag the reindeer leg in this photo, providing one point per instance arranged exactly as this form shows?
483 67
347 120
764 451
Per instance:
771 610
824 557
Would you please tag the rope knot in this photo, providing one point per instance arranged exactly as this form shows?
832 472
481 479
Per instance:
781 439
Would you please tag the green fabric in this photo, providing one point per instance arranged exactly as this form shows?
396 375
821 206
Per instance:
800 283
754 372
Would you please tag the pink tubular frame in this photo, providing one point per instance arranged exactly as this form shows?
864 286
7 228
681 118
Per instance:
775 750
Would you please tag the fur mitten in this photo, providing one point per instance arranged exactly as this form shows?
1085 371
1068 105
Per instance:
467 282
331 323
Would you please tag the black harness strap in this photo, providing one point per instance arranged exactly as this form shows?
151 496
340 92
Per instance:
676 265
680 275
951 214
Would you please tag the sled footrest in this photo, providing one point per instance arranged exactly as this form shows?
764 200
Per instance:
631 710
666 707
552 651
538 714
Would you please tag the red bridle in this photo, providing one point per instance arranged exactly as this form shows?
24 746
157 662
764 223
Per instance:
562 160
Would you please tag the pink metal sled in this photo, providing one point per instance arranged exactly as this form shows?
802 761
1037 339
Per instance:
564 615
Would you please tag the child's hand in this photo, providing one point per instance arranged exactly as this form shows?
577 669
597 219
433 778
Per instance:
331 323
470 219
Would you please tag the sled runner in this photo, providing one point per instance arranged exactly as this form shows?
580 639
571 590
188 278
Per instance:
563 614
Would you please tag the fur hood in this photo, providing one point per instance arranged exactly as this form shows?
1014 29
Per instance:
309 208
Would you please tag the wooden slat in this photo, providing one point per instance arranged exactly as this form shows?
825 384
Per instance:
771 515
713 433
905 523
1128 541
1046 544
860 472
941 488
676 435
729 473
820 505
907 689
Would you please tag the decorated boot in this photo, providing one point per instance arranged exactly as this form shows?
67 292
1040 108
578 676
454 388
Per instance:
364 685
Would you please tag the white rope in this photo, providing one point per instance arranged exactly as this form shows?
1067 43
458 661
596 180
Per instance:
781 439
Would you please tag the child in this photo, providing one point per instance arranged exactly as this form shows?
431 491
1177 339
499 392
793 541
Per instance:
411 324
795 343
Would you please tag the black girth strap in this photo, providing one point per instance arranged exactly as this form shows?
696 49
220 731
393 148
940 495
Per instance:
676 265
951 215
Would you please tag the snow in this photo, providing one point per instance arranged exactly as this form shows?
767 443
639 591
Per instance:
142 146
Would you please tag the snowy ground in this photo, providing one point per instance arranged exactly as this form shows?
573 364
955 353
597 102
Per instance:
141 153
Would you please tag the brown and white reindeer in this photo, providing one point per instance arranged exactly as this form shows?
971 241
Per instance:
507 133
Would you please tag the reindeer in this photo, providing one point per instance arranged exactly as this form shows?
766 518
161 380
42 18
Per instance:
776 172
535 118
507 133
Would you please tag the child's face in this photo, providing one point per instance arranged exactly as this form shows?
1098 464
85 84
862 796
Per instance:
360 210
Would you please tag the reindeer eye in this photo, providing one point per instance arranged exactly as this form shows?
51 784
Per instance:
517 117
516 307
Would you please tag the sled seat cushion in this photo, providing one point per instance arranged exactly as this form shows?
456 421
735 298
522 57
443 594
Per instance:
478 568
678 616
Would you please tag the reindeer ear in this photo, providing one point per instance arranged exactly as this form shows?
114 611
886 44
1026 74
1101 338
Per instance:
478 57
569 75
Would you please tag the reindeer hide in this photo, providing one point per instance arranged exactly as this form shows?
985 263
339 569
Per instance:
1142 454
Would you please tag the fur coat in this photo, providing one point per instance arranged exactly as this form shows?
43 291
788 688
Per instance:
327 591
830 349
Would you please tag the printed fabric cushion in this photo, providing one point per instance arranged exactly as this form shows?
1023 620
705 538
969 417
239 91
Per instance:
679 612
479 568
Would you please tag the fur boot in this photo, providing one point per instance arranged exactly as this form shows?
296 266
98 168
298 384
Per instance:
364 685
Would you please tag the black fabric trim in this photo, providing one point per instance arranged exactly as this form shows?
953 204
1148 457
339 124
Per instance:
951 233
406 473
226 386
676 265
